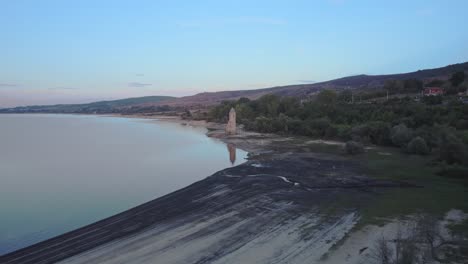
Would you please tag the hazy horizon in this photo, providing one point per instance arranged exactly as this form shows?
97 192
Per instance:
55 52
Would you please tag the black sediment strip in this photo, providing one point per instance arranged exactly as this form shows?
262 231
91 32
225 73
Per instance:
109 229
298 180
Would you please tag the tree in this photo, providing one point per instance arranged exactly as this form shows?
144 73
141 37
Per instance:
244 111
463 86
457 78
400 135
353 147
435 83
418 146
269 104
413 85
327 97
345 96
289 105
379 133
394 86
243 100
451 149
450 89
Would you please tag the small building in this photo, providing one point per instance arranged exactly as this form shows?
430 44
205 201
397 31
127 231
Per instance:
433 91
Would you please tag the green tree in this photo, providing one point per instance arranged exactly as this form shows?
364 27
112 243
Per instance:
394 86
345 96
435 83
327 97
418 146
289 105
269 105
451 149
413 85
457 78
243 100
400 135
353 148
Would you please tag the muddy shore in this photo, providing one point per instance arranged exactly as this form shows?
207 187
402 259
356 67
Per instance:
286 204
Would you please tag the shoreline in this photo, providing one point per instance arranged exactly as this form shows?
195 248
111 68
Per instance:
278 200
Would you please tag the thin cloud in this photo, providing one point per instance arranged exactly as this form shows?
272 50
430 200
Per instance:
8 85
140 74
138 84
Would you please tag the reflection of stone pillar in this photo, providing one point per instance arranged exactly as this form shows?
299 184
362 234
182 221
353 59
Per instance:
231 125
232 153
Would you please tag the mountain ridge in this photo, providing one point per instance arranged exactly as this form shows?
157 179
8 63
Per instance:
361 81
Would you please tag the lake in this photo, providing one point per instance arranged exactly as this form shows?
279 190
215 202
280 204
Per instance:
61 172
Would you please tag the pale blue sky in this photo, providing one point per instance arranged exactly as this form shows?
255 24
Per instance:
72 51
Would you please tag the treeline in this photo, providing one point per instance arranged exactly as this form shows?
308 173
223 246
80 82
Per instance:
415 127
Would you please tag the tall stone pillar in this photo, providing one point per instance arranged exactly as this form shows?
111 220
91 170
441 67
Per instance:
231 125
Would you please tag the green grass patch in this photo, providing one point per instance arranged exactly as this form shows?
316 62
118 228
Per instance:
437 195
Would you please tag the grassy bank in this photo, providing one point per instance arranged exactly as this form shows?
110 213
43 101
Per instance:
436 195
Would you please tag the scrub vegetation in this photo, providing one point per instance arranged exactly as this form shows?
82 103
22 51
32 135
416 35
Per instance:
423 125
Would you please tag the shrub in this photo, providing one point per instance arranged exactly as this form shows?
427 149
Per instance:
400 135
452 150
432 100
379 132
418 146
454 171
361 132
316 127
353 147
343 131
462 124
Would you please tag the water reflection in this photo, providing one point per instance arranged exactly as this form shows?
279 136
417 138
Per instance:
62 172
232 153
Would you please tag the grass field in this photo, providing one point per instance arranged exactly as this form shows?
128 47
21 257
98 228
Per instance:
436 195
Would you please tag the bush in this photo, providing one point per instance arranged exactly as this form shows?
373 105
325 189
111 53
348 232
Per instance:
361 132
454 171
418 146
432 100
462 124
379 133
451 149
343 131
353 147
400 135
316 127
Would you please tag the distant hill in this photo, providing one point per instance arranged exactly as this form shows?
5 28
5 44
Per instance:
302 90
95 107
151 103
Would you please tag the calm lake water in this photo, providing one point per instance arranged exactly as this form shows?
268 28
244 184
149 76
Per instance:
61 172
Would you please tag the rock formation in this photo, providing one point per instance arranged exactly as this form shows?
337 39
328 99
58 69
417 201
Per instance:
231 125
